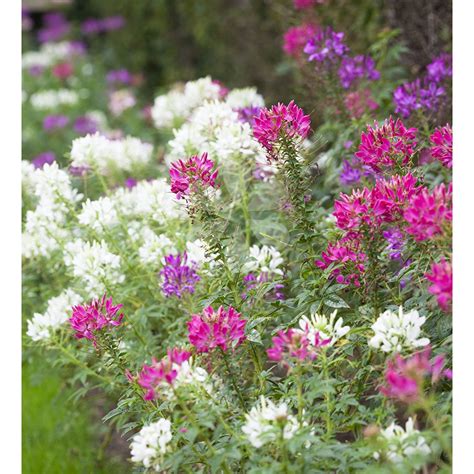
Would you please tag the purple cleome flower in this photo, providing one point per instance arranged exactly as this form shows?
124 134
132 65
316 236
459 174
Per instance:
178 277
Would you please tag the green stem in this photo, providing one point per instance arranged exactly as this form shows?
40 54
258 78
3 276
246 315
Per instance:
232 379
327 396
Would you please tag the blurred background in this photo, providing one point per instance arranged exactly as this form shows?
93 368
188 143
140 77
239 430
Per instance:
240 43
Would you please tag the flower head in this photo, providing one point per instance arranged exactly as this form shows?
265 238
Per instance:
404 378
355 68
296 37
440 68
442 149
223 328
89 320
196 173
387 146
280 122
429 212
295 345
319 326
55 122
441 277
178 277
326 45
151 443
266 423
395 332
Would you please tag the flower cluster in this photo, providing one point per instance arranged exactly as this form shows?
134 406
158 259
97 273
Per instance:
442 145
296 37
281 122
267 422
326 45
404 378
196 174
318 326
223 328
399 331
89 320
429 213
441 278
387 146
151 443
355 68
178 277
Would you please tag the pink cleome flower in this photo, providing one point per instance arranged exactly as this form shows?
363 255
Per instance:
221 328
429 212
442 149
191 175
160 372
387 146
281 121
347 259
296 37
404 377
292 345
89 319
370 208
441 277
359 102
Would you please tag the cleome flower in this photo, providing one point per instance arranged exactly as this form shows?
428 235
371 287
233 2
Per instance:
280 122
88 320
319 326
221 328
196 173
151 443
442 145
173 371
441 277
404 378
268 422
41 326
264 259
403 445
395 332
177 276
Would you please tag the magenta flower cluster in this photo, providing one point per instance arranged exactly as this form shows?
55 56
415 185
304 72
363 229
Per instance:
429 212
358 67
441 278
296 37
442 145
281 121
178 277
388 146
192 175
326 45
223 328
292 345
163 371
404 378
100 314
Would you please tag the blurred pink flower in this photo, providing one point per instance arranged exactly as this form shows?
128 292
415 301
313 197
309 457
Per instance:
442 149
441 277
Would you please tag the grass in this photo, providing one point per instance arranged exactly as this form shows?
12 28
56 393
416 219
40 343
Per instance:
60 436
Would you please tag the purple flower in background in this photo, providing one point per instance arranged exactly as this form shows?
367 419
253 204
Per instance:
113 23
55 28
178 277
54 122
78 170
349 175
77 47
355 68
47 157
91 26
130 183
326 45
120 76
248 114
85 124
395 241
441 68
36 71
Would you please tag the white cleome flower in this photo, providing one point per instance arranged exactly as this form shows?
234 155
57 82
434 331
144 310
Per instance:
57 313
197 252
266 421
404 445
51 99
154 247
265 259
98 214
395 332
327 328
94 264
97 151
245 97
151 443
